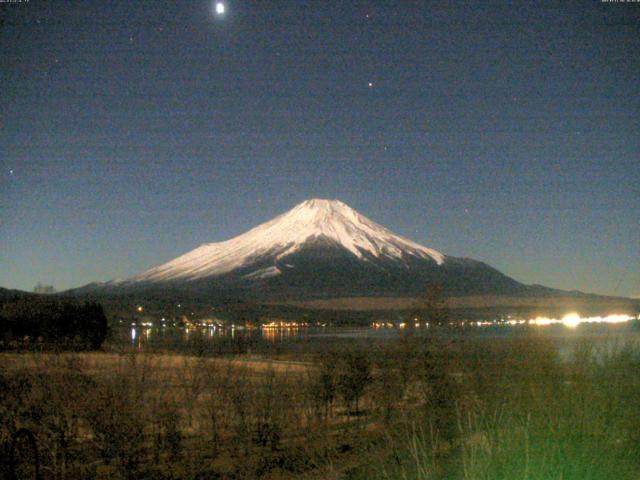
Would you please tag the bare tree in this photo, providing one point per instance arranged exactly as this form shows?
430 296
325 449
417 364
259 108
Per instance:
431 306
47 289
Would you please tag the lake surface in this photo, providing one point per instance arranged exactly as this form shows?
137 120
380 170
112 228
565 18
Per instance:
269 340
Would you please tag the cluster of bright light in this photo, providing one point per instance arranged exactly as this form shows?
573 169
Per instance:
394 325
380 325
572 320
284 325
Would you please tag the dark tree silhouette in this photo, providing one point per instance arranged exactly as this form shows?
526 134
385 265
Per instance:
431 306
40 288
52 321
354 374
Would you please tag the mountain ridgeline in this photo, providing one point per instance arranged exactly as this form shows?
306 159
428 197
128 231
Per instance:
319 249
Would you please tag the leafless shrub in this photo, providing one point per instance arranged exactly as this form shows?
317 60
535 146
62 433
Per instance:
118 414
354 375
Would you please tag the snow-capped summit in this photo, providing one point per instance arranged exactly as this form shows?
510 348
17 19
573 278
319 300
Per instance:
331 222
318 249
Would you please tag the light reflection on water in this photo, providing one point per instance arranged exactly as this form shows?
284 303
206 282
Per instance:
148 336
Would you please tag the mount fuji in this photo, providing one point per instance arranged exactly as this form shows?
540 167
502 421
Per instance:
319 249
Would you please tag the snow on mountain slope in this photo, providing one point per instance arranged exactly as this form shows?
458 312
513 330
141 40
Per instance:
286 234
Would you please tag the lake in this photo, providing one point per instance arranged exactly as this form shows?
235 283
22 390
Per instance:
238 340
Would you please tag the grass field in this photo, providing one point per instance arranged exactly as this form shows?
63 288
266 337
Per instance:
410 408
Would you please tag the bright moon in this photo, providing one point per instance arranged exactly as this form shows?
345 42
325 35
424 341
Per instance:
220 8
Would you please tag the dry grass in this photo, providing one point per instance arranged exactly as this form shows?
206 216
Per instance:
427 408
96 362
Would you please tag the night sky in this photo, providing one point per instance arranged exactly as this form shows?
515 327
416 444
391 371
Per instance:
131 132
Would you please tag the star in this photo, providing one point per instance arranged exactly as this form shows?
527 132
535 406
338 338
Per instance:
370 84
11 172
220 8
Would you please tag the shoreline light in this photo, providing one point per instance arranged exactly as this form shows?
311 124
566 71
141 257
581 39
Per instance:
572 320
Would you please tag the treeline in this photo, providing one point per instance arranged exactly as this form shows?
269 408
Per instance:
41 321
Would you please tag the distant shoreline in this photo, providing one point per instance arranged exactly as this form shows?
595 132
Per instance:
476 301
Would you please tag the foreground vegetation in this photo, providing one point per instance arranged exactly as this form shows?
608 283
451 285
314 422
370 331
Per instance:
413 408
